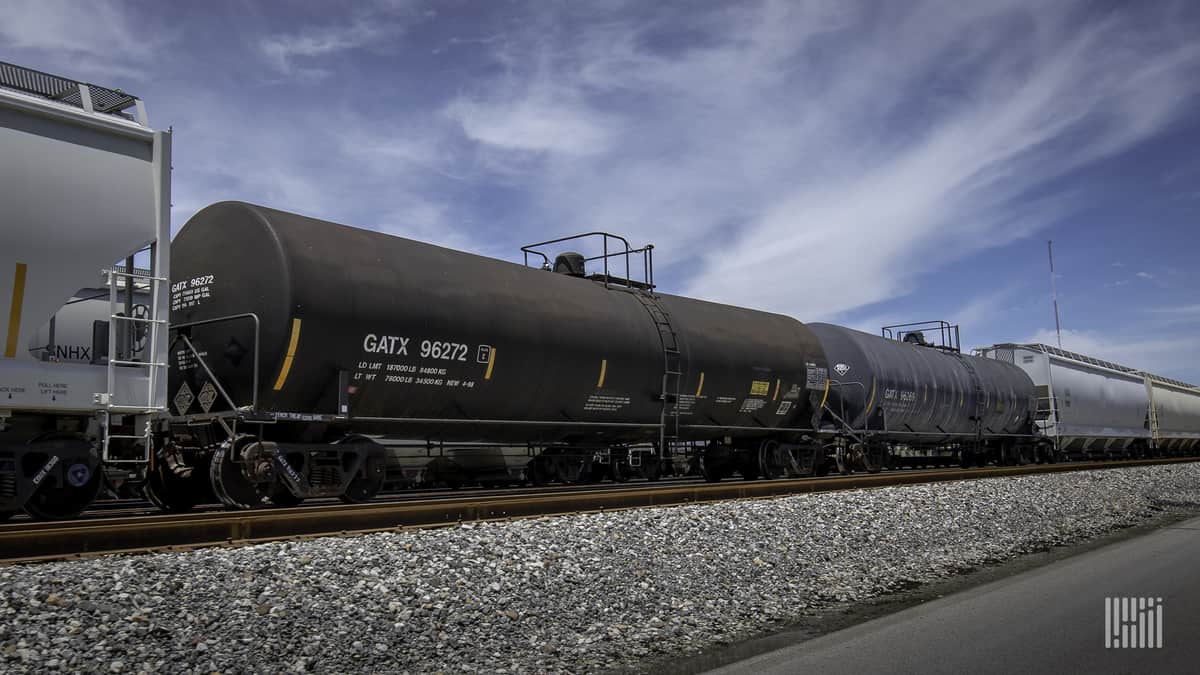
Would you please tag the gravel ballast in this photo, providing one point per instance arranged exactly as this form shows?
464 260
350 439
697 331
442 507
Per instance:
570 594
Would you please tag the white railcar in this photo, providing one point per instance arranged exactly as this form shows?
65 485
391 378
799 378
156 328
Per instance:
1089 406
1176 413
84 182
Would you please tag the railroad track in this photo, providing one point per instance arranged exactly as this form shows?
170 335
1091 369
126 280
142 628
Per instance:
140 507
45 541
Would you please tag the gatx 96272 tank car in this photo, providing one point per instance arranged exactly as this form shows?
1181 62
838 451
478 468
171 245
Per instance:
297 337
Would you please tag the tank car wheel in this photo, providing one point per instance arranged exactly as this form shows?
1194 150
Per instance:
653 466
536 473
842 461
171 482
873 458
967 458
80 472
619 472
710 473
773 461
1028 455
229 480
367 483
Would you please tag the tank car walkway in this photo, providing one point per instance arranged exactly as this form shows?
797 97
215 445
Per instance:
1047 620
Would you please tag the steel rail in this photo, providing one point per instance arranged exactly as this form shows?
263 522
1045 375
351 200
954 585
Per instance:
43 541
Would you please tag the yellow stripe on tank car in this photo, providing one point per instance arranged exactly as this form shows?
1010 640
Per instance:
291 355
871 403
603 372
487 374
700 387
14 312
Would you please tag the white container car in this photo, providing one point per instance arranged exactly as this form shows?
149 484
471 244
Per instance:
85 184
1091 407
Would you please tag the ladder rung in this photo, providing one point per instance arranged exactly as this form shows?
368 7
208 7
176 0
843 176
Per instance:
147 364
136 438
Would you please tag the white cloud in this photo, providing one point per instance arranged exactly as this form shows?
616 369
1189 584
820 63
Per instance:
1173 317
370 24
90 40
283 50
842 150
1144 275
534 124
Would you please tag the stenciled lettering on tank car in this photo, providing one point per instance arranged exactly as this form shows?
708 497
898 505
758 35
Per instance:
386 344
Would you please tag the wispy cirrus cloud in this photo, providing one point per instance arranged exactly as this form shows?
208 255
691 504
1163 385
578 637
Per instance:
802 140
537 123
293 54
100 39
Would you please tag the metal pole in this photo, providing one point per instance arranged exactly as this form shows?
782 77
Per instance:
1054 292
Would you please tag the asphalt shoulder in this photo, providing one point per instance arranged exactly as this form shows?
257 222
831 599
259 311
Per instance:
1048 619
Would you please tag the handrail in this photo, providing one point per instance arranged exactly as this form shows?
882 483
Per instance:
232 317
951 338
625 250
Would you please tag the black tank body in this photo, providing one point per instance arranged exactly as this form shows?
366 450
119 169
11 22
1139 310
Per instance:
887 385
422 332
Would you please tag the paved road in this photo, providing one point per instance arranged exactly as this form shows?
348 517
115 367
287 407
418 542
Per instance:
1047 620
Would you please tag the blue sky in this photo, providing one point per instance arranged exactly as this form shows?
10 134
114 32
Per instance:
859 162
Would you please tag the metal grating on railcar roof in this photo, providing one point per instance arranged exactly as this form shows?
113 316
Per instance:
1083 358
65 90
1167 380
1075 356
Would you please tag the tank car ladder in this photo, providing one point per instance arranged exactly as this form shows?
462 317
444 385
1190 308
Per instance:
668 429
980 403
154 365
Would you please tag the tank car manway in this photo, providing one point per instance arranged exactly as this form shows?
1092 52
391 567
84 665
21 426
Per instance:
46 541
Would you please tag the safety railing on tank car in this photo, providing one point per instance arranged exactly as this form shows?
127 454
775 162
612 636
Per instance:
949 337
180 334
857 434
626 251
